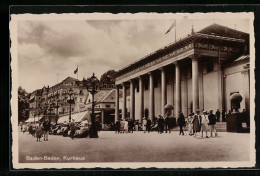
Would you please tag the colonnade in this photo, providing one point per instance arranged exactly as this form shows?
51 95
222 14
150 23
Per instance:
195 92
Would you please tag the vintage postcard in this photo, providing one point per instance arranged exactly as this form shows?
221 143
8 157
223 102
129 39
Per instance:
144 90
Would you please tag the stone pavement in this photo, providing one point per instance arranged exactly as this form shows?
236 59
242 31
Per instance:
136 147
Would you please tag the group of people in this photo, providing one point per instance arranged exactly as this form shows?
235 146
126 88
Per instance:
38 130
198 123
42 129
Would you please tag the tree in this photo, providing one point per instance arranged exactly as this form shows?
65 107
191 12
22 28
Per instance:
23 105
108 77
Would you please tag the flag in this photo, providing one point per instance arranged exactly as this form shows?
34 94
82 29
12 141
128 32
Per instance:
173 25
76 71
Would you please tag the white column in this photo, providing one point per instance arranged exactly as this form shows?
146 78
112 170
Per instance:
132 101
141 98
151 111
195 85
178 89
117 104
124 102
163 91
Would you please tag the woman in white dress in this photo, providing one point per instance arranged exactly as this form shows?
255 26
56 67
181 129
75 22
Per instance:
144 124
125 126
190 124
204 123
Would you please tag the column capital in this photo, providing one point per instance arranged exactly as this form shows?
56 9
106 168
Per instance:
176 63
162 68
194 57
140 77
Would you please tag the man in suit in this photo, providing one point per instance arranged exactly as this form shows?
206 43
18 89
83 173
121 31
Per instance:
46 129
148 125
167 122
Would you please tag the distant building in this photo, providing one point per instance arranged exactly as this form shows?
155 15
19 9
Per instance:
200 71
104 105
48 95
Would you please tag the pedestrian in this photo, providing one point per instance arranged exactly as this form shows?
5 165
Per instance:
167 122
144 124
148 125
190 125
160 124
136 125
46 129
223 115
212 123
218 115
126 126
39 132
131 125
72 129
181 122
118 126
122 124
204 123
197 122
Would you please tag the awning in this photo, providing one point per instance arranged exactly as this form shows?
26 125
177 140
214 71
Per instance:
31 119
78 117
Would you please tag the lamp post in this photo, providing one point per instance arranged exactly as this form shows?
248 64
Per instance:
50 108
93 87
57 105
70 100
44 108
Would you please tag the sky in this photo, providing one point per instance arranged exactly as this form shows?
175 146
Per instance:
50 50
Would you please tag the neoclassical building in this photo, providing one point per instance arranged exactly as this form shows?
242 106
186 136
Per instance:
200 71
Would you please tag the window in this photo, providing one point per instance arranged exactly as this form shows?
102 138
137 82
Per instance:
107 106
210 66
80 100
89 100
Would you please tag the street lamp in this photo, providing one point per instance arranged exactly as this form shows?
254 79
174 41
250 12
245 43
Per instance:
56 104
70 100
44 108
93 87
50 108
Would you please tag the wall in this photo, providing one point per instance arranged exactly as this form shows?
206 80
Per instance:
235 81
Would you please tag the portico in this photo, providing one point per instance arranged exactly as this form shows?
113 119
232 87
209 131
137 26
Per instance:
178 74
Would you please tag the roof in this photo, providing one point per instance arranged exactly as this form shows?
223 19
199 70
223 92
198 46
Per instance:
219 30
105 96
214 31
68 79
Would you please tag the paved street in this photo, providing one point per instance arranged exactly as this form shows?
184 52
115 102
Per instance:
137 147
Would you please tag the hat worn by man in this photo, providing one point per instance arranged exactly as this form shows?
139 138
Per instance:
197 110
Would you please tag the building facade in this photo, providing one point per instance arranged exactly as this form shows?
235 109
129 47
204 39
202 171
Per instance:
200 71
50 95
